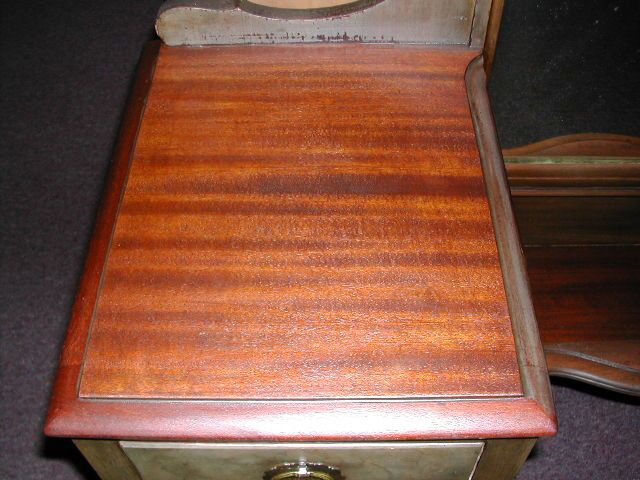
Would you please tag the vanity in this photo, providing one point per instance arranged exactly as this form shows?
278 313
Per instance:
306 263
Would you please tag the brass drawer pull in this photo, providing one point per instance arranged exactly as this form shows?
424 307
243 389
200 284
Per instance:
309 471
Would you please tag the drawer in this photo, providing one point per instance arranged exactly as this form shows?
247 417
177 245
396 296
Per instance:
351 461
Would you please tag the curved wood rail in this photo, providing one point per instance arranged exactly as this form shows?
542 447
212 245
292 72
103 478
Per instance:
590 164
588 310
577 199
581 144
593 370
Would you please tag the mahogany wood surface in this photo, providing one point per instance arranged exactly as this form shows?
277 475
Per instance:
531 359
572 180
587 287
388 234
587 302
585 165
577 201
285 236
578 220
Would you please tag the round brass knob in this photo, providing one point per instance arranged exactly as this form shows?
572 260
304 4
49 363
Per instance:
308 471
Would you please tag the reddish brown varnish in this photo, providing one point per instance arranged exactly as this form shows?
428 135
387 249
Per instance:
287 233
587 302
580 225
306 225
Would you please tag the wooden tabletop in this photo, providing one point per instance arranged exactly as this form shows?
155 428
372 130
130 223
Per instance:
303 223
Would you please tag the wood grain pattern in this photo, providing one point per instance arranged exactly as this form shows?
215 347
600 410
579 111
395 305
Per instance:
314 242
65 388
283 421
327 420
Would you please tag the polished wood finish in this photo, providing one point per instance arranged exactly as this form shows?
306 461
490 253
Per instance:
602 370
562 179
586 286
530 358
73 350
577 190
587 301
584 165
330 262
577 200
578 220
410 157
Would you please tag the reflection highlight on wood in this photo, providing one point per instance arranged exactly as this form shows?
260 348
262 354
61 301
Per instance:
308 239
450 171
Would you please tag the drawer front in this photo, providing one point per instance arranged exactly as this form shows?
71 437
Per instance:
351 461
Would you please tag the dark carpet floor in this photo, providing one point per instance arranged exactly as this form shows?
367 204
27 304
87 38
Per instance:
65 70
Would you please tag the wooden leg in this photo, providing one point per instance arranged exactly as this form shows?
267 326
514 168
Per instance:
107 459
503 458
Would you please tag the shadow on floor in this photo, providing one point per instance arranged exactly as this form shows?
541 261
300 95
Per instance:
63 449
594 391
